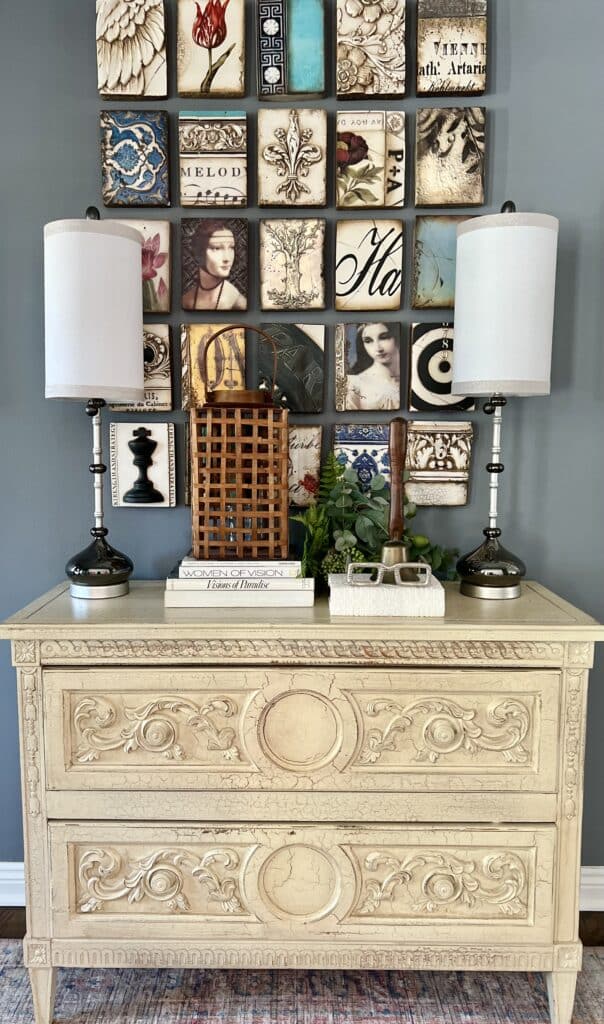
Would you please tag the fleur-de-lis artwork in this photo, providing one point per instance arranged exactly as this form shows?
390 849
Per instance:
211 48
291 161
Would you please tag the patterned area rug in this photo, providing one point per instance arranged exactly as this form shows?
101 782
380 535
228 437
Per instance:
295 997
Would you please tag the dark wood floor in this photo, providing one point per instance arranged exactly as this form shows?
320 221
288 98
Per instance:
12 926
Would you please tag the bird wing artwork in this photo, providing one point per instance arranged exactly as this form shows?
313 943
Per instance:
131 47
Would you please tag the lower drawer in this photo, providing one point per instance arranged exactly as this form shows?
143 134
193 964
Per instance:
287 881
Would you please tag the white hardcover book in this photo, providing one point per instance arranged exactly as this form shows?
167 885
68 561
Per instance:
242 584
239 599
192 570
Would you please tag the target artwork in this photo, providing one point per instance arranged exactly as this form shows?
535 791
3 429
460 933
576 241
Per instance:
431 370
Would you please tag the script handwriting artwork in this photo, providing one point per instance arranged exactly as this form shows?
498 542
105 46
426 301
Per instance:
369 264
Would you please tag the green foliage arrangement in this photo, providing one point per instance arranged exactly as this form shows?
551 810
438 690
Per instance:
348 524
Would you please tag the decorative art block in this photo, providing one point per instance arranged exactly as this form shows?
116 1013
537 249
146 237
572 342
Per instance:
435 248
450 156
370 48
226 362
364 448
292 157
214 263
292 274
431 370
158 371
369 264
213 158
291 48
304 464
150 481
451 47
211 48
368 366
131 48
370 159
300 358
438 461
134 158
156 263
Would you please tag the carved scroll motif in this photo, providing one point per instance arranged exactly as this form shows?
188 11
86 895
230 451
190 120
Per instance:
448 727
152 728
447 882
159 877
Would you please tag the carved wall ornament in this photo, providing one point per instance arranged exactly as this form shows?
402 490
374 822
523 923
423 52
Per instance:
438 461
152 728
447 727
443 882
25 652
36 954
580 654
287 652
293 154
159 877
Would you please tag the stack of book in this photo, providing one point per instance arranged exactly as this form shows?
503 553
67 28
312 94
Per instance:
199 584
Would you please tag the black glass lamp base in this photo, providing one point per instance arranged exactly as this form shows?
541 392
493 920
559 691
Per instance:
491 572
99 571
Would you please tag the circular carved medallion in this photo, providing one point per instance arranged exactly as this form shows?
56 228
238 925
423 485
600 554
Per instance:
299 881
300 731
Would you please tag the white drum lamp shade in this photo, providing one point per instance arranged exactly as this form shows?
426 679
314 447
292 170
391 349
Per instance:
93 311
504 304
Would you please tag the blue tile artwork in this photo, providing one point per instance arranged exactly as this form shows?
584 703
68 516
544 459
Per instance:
291 48
434 262
363 447
134 158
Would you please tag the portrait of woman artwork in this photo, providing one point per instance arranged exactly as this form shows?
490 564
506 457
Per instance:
214 263
368 366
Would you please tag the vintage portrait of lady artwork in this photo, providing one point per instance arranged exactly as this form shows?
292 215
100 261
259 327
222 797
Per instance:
368 366
214 263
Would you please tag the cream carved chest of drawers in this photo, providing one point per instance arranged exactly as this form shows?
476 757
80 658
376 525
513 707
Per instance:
279 789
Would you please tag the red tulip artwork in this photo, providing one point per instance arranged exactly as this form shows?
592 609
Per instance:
210 31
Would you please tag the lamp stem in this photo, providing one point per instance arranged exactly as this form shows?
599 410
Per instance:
97 466
495 473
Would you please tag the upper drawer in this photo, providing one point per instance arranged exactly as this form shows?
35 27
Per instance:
410 730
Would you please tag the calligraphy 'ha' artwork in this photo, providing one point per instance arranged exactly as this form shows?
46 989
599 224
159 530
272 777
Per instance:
369 264
370 159
213 158
291 264
451 47
370 48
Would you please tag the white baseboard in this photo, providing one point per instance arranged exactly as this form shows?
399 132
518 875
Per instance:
12 886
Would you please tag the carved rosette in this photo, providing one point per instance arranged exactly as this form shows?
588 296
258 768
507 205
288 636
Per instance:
301 651
446 726
159 877
444 884
212 137
25 652
154 727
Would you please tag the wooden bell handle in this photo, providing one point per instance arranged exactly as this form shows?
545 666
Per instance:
397 449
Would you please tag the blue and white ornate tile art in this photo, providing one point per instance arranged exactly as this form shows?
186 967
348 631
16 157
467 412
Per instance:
364 447
291 48
134 158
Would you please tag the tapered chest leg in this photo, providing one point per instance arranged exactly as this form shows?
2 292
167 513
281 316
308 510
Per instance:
561 987
43 984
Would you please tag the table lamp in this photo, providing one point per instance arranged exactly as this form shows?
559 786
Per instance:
504 314
94 351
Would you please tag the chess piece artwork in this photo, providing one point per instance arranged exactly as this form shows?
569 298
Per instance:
143 469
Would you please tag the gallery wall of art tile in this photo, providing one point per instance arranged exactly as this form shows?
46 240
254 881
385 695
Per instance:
300 165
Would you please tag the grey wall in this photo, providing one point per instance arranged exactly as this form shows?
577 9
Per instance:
546 150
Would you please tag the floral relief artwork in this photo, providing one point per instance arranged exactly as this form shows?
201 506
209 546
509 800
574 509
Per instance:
213 158
370 48
131 48
435 250
158 372
369 264
450 156
438 462
226 362
134 158
300 347
368 366
211 48
370 159
292 264
214 263
304 464
292 157
155 263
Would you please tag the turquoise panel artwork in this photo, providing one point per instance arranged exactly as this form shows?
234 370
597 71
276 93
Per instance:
306 46
434 262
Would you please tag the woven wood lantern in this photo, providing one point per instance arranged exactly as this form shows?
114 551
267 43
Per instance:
239 471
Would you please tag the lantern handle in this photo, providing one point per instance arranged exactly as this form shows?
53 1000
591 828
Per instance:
245 327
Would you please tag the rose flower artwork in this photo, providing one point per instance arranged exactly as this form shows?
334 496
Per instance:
210 47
